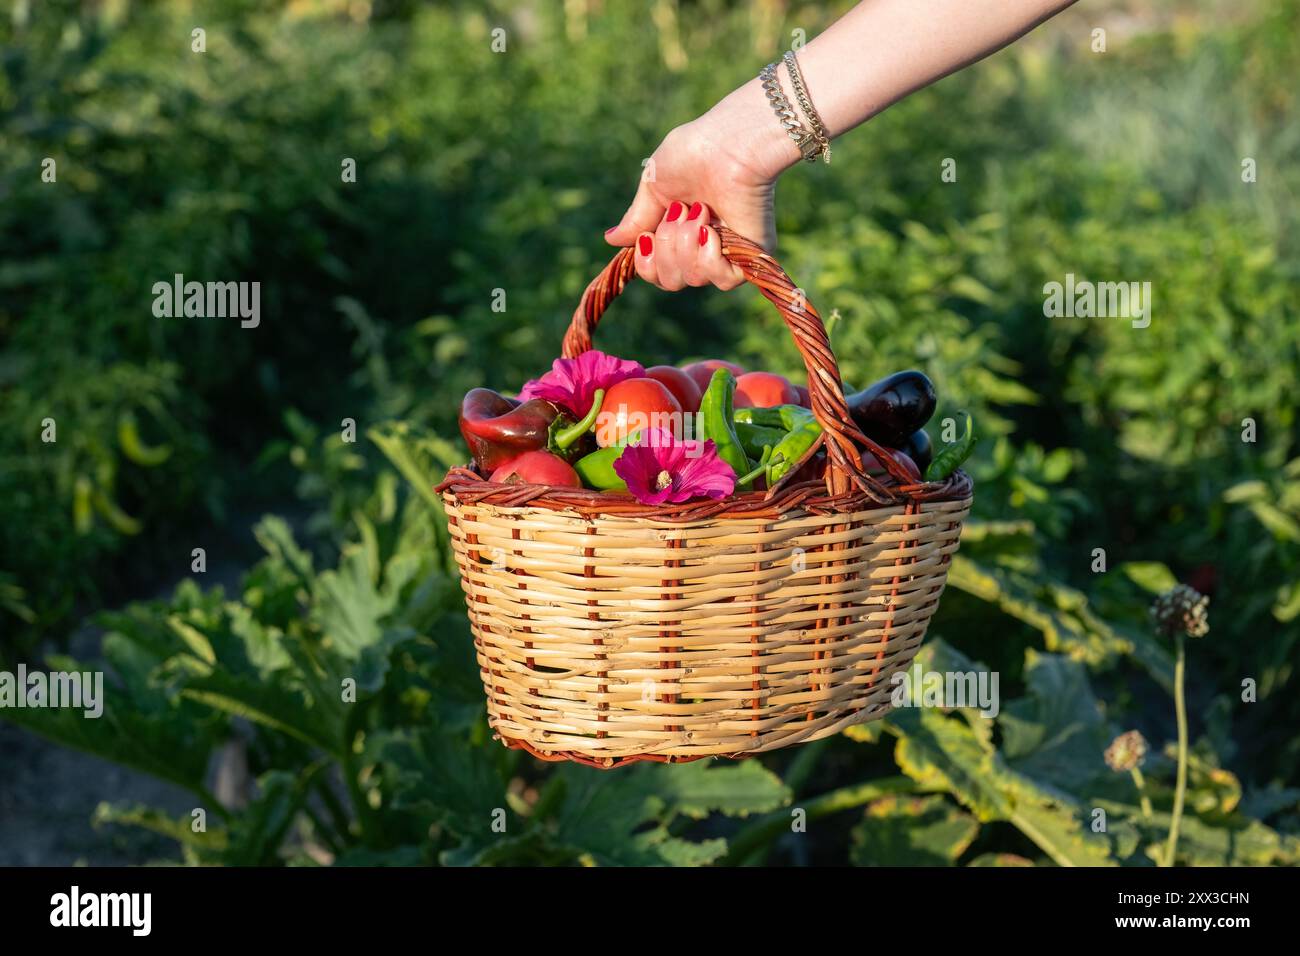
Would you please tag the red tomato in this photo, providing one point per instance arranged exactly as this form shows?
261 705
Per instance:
766 390
741 400
702 372
635 404
537 468
682 386
874 467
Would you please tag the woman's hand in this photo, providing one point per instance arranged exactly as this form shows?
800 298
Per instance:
721 167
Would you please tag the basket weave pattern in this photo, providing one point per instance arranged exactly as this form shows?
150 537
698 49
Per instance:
609 632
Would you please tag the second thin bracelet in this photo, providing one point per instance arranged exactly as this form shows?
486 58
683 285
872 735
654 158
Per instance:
805 103
809 145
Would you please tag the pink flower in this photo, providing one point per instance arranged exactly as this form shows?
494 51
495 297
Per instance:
572 383
661 468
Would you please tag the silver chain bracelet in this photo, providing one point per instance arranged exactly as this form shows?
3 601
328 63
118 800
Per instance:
808 144
805 103
812 143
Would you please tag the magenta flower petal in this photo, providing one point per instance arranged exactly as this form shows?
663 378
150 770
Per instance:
662 468
572 383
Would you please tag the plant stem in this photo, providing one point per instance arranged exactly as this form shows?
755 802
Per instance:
359 807
1140 782
1180 790
801 767
332 805
764 463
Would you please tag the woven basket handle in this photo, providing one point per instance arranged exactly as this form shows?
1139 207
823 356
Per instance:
842 438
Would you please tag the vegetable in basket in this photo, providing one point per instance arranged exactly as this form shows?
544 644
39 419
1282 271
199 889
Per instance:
537 468
766 389
498 429
717 423
893 409
793 447
702 372
682 386
953 454
597 469
919 449
753 438
635 404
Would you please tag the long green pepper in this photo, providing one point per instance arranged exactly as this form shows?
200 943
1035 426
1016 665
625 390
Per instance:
754 438
785 417
953 454
717 423
787 453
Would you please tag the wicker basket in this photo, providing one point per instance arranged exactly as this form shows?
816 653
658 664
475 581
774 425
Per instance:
609 632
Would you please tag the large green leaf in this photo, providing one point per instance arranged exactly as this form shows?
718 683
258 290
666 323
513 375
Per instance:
1230 842
348 607
1061 614
912 831
439 774
164 738
624 818
1056 735
955 753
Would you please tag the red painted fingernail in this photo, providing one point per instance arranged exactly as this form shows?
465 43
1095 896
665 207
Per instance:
696 209
646 245
674 211
610 229
704 236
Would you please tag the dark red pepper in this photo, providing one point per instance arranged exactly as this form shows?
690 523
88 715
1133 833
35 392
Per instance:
498 429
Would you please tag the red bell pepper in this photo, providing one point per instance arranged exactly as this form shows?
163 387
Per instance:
498 429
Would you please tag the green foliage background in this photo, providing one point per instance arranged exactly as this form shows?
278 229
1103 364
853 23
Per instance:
479 170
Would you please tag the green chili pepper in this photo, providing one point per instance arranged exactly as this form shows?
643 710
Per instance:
784 417
716 421
597 469
953 454
794 416
767 417
754 437
791 449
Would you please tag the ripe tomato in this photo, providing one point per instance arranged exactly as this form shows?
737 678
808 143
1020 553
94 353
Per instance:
537 468
635 404
702 372
682 386
767 390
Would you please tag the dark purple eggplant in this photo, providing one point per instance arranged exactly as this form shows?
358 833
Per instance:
919 449
894 408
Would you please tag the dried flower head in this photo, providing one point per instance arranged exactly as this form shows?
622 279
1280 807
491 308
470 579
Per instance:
1182 609
1126 751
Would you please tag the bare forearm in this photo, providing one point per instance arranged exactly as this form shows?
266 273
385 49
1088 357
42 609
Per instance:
876 54
721 168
